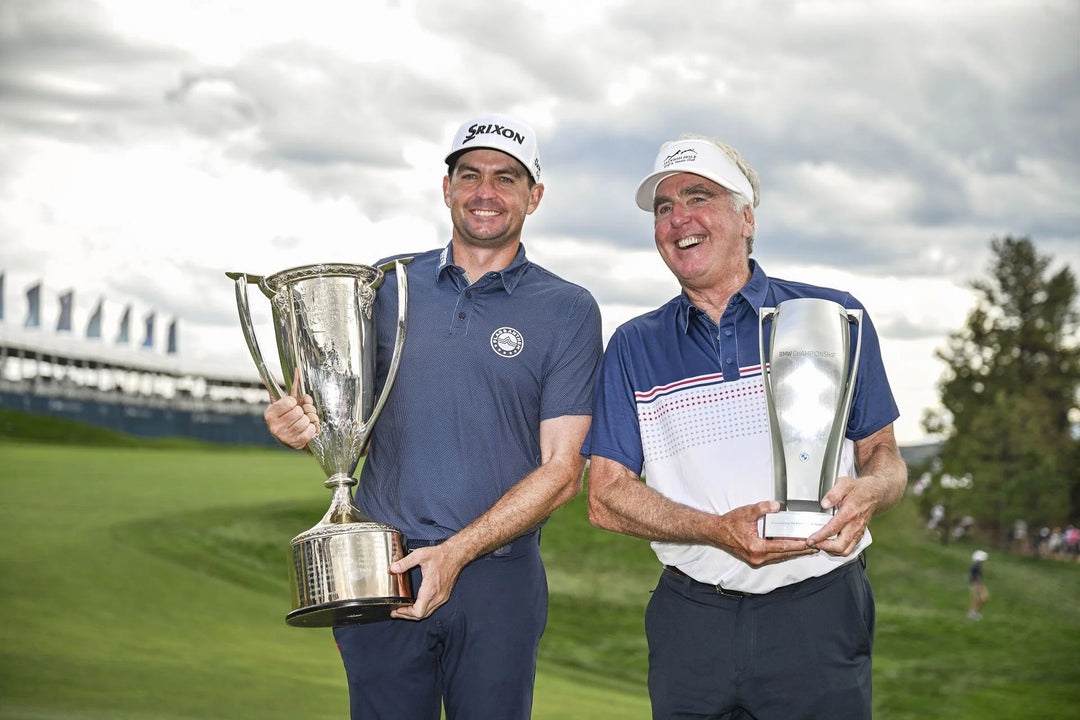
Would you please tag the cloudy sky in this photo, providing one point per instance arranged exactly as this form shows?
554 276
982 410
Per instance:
148 147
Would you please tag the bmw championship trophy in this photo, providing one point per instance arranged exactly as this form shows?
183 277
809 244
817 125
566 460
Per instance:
809 376
325 328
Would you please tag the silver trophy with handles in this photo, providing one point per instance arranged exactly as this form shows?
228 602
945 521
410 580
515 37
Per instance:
809 376
323 317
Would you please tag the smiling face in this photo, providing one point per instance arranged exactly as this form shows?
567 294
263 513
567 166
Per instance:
699 234
489 195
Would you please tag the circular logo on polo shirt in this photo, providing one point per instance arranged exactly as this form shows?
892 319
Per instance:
507 342
804 456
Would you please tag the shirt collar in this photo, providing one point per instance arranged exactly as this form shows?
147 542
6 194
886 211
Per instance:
510 275
753 292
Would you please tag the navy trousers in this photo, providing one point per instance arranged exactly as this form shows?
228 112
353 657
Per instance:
798 653
476 653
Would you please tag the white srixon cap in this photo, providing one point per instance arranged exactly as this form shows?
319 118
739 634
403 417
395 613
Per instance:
699 157
499 132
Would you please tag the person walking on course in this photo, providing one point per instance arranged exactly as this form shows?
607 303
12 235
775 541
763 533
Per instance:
976 586
738 626
477 445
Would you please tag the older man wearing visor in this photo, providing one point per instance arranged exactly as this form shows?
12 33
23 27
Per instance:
739 626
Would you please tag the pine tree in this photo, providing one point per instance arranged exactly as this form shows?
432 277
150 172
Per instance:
1010 394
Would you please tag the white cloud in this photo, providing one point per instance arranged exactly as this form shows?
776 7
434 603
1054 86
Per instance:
820 196
150 146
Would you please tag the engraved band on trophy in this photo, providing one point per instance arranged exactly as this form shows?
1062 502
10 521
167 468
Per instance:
809 377
324 325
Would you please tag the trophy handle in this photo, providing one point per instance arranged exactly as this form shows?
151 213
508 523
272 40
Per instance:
398 266
766 314
828 476
855 318
242 306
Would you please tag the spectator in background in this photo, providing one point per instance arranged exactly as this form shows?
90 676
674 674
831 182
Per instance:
1038 542
1018 537
979 594
1056 543
1072 542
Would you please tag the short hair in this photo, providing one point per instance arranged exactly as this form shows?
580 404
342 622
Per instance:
738 202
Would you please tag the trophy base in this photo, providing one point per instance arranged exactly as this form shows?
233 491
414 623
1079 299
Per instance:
345 612
341 574
794 524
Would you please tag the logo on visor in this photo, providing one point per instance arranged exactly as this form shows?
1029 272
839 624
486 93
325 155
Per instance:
682 156
507 341
493 129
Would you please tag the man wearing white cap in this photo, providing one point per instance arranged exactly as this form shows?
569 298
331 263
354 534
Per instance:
979 593
477 445
739 626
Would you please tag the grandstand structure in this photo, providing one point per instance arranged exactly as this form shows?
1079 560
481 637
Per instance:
133 388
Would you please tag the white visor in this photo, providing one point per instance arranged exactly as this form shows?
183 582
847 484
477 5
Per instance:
699 157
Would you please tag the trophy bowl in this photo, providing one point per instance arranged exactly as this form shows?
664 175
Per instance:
323 317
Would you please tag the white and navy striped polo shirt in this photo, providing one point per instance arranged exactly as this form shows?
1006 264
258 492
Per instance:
680 399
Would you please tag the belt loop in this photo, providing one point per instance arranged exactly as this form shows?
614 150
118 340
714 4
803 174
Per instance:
530 538
732 593
411 545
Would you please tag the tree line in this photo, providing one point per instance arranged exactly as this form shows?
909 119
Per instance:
1009 411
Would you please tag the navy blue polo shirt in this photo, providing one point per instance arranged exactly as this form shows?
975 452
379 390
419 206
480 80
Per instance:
483 364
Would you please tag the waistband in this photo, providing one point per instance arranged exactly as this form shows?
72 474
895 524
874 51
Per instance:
793 589
527 541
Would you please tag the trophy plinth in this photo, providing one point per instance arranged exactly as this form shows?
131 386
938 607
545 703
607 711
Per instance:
324 322
809 378
340 568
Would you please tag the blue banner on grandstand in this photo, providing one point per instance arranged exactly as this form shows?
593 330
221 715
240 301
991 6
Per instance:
125 326
172 338
63 323
148 341
33 306
93 328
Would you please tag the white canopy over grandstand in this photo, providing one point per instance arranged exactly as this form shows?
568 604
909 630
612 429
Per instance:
33 359
125 385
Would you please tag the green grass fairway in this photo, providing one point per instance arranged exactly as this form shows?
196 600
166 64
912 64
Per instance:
149 582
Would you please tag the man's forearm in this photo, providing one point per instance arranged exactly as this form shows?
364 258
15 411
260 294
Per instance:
879 459
534 497
619 501
522 508
890 469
